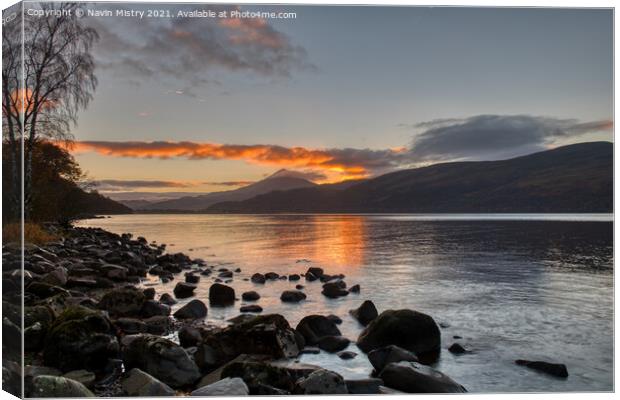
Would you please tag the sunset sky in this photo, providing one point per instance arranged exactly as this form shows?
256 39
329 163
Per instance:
200 105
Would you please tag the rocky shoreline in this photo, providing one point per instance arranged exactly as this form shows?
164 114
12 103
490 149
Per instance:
89 329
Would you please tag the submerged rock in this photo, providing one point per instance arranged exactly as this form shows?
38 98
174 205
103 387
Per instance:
365 313
292 296
258 278
184 290
334 289
412 377
456 348
221 295
347 355
354 289
254 308
558 370
411 330
250 296
315 271
195 309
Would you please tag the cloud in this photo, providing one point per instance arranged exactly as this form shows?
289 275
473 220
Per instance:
485 137
119 185
184 50
347 163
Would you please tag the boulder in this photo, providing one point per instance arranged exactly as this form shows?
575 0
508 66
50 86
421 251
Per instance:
363 386
184 290
335 319
86 378
191 278
167 299
57 386
294 277
253 308
151 308
250 296
257 374
149 293
122 302
158 325
333 344
412 377
258 278
314 327
56 277
411 330
139 383
261 334
383 356
161 358
321 382
354 289
195 309
292 296
365 313
189 336
226 274
299 287
80 338
558 370
130 326
225 387
221 295
114 272
334 290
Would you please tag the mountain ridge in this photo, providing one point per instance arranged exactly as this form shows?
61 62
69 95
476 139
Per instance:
573 178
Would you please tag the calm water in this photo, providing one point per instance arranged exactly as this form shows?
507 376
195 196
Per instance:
532 287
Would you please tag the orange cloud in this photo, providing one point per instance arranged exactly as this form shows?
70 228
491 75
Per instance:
338 164
23 100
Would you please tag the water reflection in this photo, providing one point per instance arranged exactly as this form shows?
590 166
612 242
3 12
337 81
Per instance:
520 288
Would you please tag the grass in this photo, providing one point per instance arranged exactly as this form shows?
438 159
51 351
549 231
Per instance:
33 233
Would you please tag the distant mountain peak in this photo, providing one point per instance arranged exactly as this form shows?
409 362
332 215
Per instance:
287 173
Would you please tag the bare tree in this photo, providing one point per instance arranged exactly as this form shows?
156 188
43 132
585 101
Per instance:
58 80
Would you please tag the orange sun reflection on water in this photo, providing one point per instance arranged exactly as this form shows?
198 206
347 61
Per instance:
338 244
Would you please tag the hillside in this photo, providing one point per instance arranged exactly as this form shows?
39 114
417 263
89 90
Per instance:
281 180
571 179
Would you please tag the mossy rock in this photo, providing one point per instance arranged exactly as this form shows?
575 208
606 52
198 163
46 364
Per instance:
80 338
123 302
57 386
